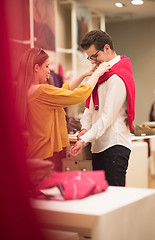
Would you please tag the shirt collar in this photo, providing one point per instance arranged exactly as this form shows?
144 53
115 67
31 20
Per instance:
115 60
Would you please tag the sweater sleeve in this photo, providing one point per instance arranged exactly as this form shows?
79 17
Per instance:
62 97
66 86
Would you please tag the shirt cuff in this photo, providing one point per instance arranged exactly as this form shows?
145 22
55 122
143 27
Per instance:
83 142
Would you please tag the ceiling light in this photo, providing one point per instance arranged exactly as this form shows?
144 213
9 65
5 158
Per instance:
137 2
119 4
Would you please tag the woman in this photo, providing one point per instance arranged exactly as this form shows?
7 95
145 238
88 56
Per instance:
41 106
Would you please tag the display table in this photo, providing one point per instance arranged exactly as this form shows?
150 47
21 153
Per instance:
142 137
119 213
150 159
137 172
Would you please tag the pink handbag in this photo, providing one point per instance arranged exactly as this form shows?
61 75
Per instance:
73 184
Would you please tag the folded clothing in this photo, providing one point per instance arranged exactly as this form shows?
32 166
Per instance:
143 129
73 184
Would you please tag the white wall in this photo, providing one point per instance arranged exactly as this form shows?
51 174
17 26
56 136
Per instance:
136 39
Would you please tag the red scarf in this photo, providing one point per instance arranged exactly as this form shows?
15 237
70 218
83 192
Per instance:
123 69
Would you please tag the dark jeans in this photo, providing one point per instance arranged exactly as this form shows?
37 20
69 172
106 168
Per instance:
114 161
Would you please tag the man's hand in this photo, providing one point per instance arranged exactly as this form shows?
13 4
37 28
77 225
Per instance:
76 149
83 131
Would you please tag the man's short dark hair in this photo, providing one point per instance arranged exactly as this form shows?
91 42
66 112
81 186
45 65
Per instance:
98 38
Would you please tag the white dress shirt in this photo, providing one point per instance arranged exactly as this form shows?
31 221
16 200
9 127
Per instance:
108 125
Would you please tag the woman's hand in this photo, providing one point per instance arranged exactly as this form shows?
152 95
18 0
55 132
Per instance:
90 71
75 82
102 68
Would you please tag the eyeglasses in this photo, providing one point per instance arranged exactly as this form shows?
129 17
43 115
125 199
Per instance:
94 56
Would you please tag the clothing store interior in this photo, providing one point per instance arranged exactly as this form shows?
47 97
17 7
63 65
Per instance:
77 120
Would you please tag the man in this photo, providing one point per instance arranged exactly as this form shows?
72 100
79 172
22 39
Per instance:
109 114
